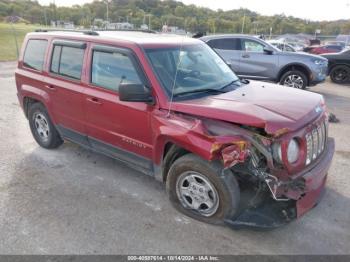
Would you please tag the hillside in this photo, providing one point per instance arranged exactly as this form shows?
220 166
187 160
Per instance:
189 17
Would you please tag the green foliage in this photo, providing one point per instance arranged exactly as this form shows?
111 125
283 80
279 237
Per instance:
7 39
170 12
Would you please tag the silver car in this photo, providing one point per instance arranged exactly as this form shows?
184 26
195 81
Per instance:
253 58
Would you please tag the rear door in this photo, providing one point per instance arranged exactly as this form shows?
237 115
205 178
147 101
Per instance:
119 129
66 89
255 63
229 49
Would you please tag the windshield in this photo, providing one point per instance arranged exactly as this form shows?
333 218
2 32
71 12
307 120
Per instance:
199 69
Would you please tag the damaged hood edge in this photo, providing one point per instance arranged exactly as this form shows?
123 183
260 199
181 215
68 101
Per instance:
276 115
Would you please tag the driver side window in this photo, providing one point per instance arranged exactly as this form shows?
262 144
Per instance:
252 46
109 70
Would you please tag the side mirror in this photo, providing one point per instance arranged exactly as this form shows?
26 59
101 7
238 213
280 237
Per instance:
268 50
135 93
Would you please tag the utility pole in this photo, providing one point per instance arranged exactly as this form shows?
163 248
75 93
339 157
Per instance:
54 13
243 24
15 38
45 16
107 11
149 21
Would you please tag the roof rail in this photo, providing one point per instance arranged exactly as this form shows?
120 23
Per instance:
94 32
129 30
85 32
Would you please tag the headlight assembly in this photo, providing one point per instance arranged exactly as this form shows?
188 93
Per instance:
319 62
293 151
277 152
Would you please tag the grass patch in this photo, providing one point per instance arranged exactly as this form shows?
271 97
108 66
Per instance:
7 41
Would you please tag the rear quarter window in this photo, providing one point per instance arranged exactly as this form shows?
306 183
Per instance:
34 54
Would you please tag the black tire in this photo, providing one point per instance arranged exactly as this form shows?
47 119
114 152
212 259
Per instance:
340 74
225 185
52 139
294 74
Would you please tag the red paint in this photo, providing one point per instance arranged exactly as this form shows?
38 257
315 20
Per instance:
283 113
234 154
322 49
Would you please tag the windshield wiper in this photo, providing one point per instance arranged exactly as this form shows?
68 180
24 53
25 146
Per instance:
209 90
230 84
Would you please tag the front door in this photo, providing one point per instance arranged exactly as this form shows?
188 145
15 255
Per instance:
255 62
116 128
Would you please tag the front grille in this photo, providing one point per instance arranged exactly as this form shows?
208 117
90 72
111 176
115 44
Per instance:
316 141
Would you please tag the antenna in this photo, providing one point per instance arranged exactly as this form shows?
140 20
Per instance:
174 83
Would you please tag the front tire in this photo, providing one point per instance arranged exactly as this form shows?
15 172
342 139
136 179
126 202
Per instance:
43 130
199 190
294 78
340 74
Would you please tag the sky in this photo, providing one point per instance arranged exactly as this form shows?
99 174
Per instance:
307 9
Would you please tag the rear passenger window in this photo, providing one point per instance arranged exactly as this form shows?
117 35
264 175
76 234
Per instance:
67 61
225 44
109 70
34 54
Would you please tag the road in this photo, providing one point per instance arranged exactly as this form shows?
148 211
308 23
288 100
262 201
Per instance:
72 201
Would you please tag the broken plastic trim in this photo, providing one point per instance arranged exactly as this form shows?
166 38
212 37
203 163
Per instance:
273 184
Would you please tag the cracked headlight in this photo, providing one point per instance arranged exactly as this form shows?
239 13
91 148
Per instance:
292 151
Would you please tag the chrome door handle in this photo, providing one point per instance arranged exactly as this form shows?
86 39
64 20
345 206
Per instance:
246 56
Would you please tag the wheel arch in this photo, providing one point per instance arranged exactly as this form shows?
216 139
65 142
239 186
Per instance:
338 64
28 102
171 153
29 95
295 66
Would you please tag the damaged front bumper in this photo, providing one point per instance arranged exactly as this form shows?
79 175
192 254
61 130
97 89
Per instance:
272 214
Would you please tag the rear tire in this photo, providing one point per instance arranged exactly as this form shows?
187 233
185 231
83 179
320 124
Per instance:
217 193
340 74
44 132
294 78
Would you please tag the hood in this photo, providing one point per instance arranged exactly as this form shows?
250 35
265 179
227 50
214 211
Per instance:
331 55
297 55
258 104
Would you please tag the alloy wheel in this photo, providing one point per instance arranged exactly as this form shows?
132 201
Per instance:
41 126
196 192
340 75
295 81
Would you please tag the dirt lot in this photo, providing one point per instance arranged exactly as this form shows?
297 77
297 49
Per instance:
73 201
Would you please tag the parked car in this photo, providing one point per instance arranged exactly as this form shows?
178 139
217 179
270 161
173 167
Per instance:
343 38
323 49
253 58
340 43
194 126
281 46
339 66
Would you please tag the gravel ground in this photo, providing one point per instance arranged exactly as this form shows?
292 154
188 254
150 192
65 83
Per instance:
72 201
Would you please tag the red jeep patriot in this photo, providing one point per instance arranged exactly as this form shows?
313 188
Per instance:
229 151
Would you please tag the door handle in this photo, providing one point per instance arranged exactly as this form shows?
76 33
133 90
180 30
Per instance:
245 55
94 100
50 87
